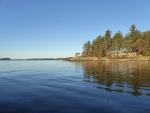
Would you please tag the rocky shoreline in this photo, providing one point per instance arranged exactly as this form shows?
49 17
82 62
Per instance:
107 59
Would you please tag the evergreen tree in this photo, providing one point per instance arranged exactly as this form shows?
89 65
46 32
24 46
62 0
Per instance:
117 42
97 49
107 42
134 41
87 49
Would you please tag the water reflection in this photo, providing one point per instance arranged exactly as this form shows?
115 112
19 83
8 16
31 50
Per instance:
121 77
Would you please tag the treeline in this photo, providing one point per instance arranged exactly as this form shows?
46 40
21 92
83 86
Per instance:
5 59
134 41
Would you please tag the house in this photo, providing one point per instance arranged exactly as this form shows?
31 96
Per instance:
124 55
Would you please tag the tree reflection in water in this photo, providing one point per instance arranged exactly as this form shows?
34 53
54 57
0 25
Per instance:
122 77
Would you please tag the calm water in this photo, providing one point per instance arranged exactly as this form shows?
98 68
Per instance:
74 87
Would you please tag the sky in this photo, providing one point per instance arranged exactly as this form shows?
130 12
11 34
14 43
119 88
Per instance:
59 28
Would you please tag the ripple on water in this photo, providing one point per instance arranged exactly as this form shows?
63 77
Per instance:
76 87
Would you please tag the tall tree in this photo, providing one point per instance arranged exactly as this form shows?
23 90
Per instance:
128 45
134 41
87 49
132 33
117 41
131 38
97 47
107 42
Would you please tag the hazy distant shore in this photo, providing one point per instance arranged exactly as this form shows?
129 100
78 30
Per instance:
5 59
37 59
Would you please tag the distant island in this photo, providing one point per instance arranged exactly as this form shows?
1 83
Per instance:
37 59
47 59
5 59
134 45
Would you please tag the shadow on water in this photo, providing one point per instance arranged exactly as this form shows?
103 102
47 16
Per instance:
121 77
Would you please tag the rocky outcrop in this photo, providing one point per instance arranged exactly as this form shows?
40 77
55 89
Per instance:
84 59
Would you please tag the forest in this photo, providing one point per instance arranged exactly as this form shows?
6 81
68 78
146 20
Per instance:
133 42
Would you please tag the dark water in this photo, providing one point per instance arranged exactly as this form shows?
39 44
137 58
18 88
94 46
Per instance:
74 87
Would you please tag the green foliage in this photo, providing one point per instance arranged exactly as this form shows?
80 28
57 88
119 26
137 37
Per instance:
87 49
131 38
146 37
117 42
107 42
129 45
140 45
97 47
134 41
132 33
107 35
146 52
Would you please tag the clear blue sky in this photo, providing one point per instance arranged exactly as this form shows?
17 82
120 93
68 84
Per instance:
59 28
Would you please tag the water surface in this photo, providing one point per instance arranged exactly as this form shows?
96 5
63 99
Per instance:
74 87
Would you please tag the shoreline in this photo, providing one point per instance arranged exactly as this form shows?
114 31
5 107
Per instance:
106 59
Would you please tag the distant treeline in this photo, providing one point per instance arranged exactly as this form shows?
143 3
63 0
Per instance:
5 59
134 41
